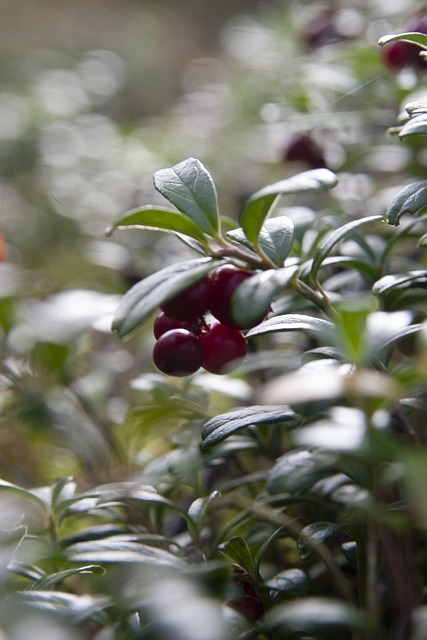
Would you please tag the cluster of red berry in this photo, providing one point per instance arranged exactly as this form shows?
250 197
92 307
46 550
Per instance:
187 341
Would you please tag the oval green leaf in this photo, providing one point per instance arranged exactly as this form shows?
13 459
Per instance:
190 188
49 581
414 37
407 280
252 299
158 219
275 238
143 298
411 199
332 238
295 322
299 470
314 534
291 583
221 427
261 203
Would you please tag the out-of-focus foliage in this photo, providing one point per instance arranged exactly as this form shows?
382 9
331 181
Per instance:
286 500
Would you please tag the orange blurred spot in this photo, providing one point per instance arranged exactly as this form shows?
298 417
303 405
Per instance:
3 248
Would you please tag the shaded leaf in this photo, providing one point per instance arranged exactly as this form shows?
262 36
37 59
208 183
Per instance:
24 493
411 199
146 296
47 582
224 425
317 533
261 203
197 511
253 297
332 238
118 550
400 281
414 37
291 583
297 471
295 322
189 186
323 617
275 238
238 551
158 219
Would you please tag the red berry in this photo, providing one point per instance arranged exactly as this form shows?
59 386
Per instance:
190 304
397 54
223 283
165 323
302 148
178 352
224 348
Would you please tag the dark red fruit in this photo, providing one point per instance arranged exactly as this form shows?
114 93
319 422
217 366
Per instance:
302 148
178 352
164 323
224 348
223 283
398 54
190 304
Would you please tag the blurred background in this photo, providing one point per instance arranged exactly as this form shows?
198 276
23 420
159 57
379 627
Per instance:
96 96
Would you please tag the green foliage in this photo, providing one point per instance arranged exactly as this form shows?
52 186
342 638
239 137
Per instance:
285 499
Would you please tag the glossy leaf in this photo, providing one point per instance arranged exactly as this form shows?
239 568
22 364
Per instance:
49 581
24 493
118 550
146 296
295 322
318 618
315 533
400 281
275 238
158 219
253 297
261 203
413 37
189 186
197 511
222 426
238 551
298 470
332 238
291 583
411 199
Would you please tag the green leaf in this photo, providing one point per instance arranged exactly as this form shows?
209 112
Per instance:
318 618
407 280
49 581
297 471
416 126
317 533
253 297
238 551
146 296
118 550
292 583
189 186
275 238
295 322
197 511
221 427
158 219
411 199
414 37
24 493
261 203
332 238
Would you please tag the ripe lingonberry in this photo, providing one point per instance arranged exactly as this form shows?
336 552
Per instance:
164 323
302 148
178 352
190 304
224 348
223 283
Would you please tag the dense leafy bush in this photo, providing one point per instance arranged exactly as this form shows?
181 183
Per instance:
284 498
